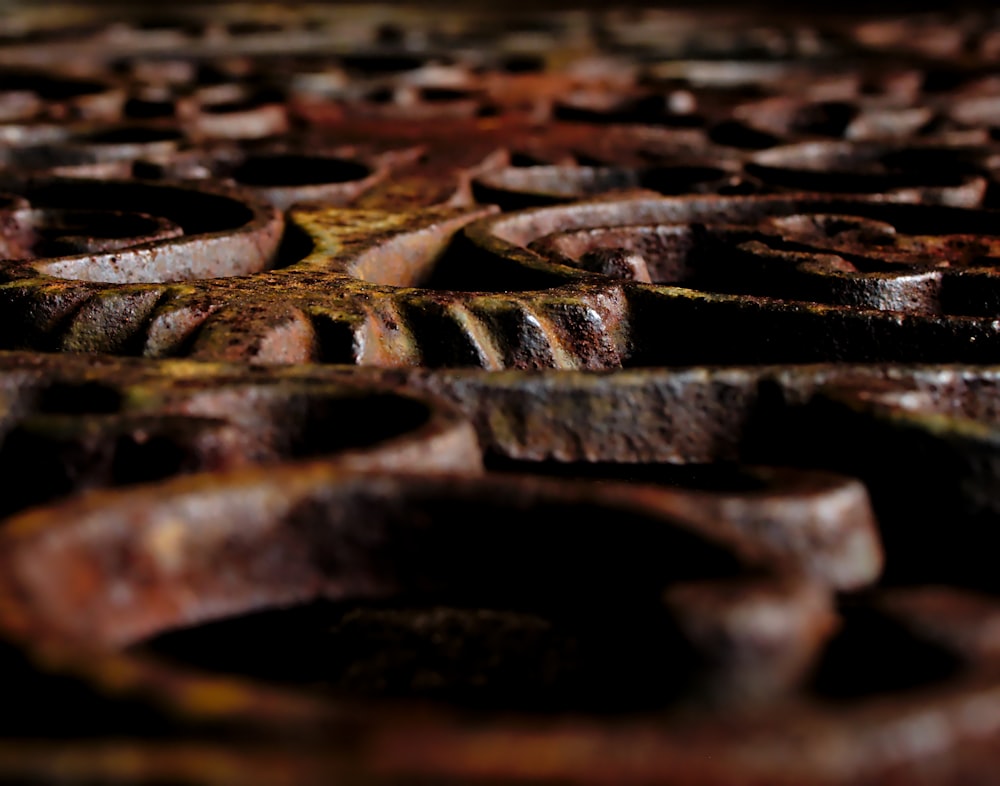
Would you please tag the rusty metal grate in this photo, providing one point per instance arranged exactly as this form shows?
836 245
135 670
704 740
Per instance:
398 395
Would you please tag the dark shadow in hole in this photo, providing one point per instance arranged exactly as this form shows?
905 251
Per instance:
50 87
874 654
84 709
942 80
315 425
105 225
483 658
444 94
296 245
294 170
194 211
725 478
155 458
827 118
675 180
138 135
88 398
381 64
735 134
141 109
465 267
847 182
522 64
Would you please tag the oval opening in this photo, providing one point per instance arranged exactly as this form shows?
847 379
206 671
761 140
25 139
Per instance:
293 170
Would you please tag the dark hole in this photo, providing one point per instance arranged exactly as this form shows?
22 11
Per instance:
585 159
942 161
295 246
142 461
382 95
581 627
250 28
522 64
390 34
148 170
84 710
679 179
292 170
464 266
193 211
167 23
453 273
697 477
316 426
739 188
382 64
79 399
848 182
39 467
647 109
133 136
683 121
735 134
50 88
442 94
210 74
233 106
99 225
921 219
495 658
942 80
875 654
141 110
526 159
827 119
992 199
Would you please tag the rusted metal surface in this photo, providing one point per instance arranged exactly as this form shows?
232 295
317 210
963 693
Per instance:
584 397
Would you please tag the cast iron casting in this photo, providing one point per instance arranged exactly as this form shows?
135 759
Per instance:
395 396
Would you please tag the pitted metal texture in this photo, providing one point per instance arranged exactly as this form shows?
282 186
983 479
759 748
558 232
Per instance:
395 395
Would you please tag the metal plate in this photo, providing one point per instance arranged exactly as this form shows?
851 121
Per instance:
397 395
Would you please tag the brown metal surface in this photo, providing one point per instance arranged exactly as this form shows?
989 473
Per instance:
393 395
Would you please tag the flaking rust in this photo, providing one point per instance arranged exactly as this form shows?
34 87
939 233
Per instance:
587 397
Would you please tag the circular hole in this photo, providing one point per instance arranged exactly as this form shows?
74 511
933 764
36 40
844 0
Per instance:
9 202
88 398
69 232
472 657
859 181
144 109
522 64
252 28
873 654
680 179
382 95
240 236
293 170
735 134
99 225
231 107
51 88
443 94
132 136
194 211
318 426
382 64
